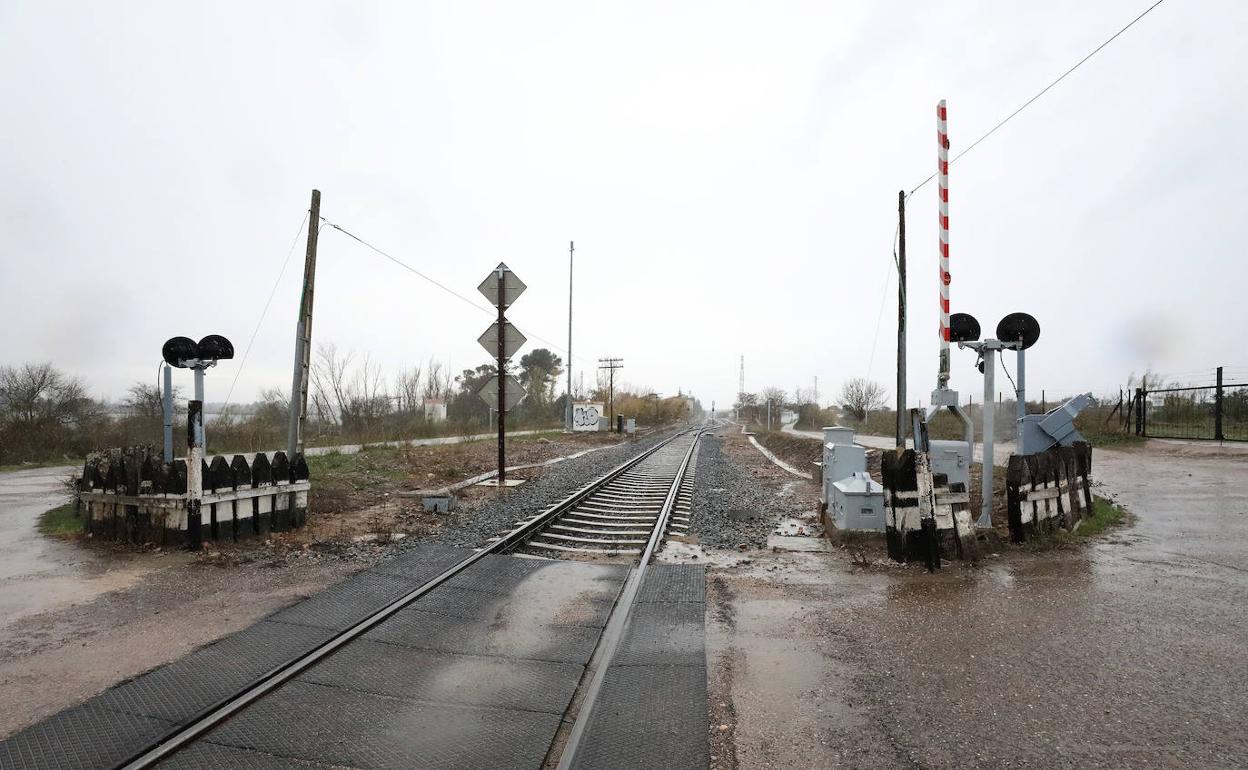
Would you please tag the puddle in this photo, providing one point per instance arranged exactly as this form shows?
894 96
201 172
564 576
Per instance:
674 552
39 574
791 527
806 544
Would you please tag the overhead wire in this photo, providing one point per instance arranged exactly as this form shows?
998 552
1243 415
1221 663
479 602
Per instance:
992 131
1041 93
442 286
272 292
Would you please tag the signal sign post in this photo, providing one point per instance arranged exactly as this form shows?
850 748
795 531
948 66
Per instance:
502 288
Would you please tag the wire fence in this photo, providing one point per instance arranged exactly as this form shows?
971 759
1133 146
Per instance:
1217 412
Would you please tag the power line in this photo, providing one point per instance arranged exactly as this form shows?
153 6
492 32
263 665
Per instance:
406 266
992 131
879 319
1042 92
264 312
439 284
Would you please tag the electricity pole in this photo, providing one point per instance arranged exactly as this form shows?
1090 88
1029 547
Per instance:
568 411
303 337
611 364
901 319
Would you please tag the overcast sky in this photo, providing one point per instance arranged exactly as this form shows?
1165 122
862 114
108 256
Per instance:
729 172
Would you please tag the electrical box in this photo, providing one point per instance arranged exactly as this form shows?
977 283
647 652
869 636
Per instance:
840 461
1055 428
953 459
857 504
835 434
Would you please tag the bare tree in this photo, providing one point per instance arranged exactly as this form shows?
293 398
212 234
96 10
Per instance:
438 383
777 396
41 410
145 400
860 395
39 393
407 389
330 382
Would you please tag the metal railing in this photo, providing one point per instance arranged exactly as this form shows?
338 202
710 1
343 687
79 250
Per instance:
1217 412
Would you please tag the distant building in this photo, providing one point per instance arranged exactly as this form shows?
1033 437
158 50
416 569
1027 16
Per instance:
435 410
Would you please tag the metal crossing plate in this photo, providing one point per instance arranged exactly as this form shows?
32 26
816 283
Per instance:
648 716
87 736
423 563
469 680
180 690
664 634
513 287
512 637
674 583
213 756
652 708
347 602
513 340
346 727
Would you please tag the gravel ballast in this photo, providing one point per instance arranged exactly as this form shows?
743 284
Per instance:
472 527
730 507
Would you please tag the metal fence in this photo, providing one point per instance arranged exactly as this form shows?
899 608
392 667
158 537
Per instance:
1216 412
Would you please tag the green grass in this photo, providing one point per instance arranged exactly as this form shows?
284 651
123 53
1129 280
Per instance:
61 521
380 461
1105 516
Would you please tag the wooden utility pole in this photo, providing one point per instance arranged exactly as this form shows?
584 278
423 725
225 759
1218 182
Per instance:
611 364
901 319
571 251
303 337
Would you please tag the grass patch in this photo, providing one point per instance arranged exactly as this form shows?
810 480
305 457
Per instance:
1105 516
61 521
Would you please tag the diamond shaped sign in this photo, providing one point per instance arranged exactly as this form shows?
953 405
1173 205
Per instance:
515 393
513 287
513 340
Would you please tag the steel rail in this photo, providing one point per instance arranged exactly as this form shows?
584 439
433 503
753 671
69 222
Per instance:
614 632
212 716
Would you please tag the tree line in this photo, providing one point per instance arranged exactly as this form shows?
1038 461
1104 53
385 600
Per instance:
47 415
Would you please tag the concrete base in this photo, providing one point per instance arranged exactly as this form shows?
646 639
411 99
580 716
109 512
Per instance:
495 483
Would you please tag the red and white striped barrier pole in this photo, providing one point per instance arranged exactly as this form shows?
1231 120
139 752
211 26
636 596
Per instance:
942 176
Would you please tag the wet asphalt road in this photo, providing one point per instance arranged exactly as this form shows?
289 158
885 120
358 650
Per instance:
1130 653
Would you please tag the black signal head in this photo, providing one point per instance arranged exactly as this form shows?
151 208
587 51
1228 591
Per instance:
179 349
214 347
1019 327
963 328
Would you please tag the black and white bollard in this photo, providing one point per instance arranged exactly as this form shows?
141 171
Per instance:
194 474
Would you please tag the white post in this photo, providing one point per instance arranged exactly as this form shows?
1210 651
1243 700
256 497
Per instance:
194 473
199 396
1021 396
166 408
990 363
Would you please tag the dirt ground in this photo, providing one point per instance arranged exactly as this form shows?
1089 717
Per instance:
1125 651
136 608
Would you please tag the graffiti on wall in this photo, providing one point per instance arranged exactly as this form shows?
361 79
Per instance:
585 416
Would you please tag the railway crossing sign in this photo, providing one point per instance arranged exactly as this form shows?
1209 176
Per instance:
513 340
515 393
501 287
512 287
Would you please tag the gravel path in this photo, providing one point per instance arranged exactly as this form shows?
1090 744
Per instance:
730 506
477 522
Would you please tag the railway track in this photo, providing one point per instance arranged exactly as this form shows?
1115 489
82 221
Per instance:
618 517
623 515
